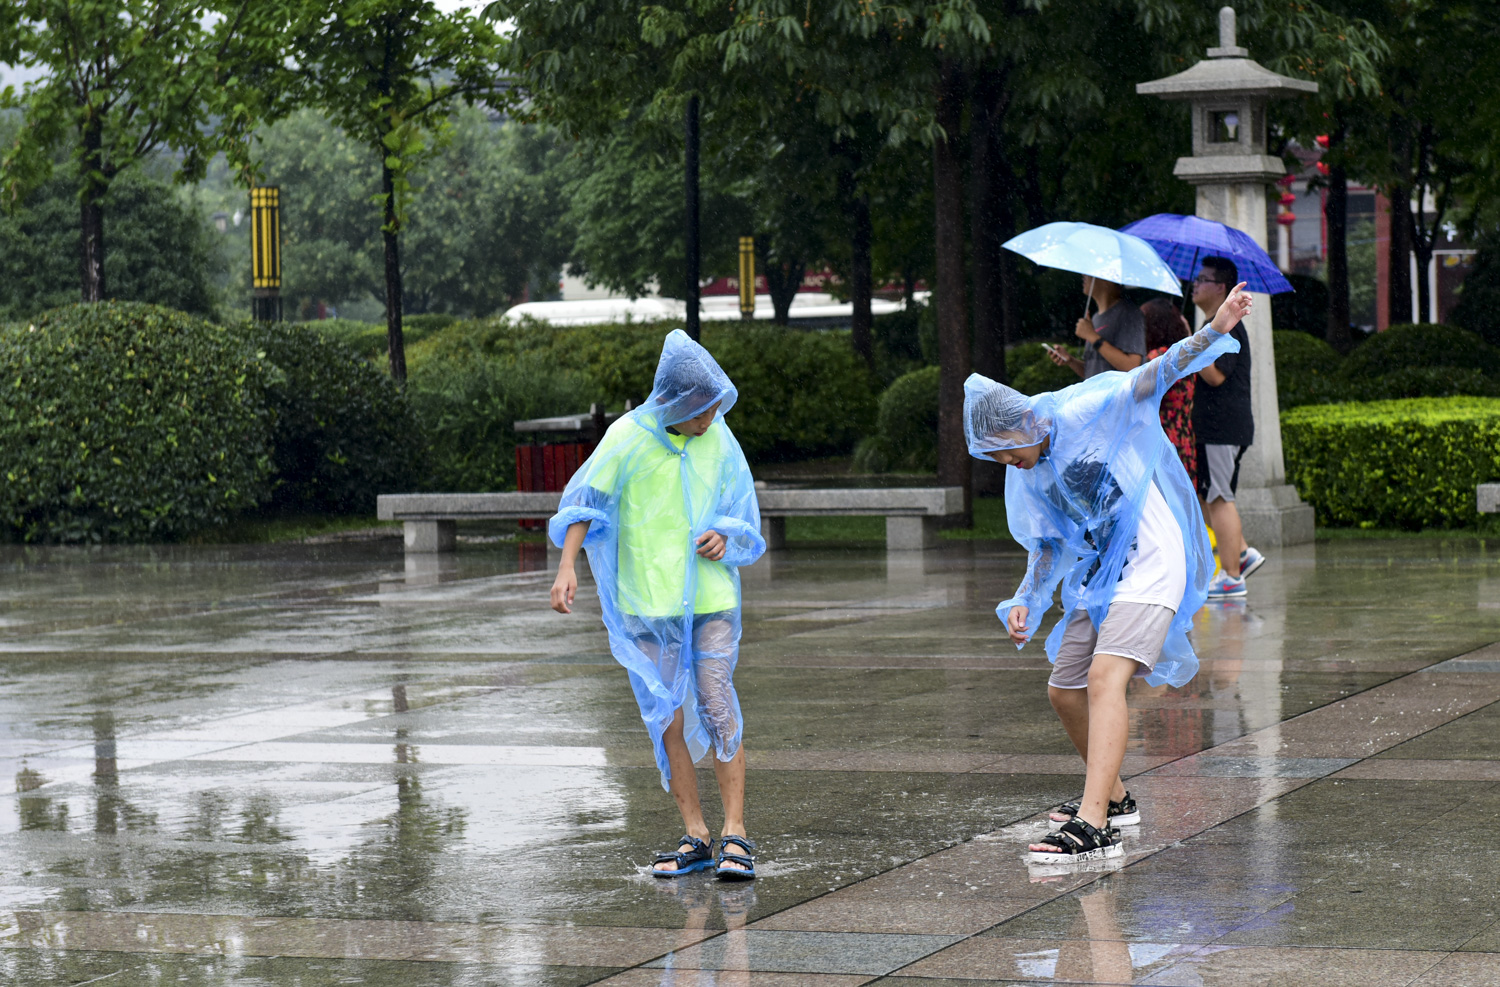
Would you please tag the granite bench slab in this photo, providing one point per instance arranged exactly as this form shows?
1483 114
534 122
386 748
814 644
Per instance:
911 513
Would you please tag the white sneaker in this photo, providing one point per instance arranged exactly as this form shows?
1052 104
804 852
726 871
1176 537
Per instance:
1250 560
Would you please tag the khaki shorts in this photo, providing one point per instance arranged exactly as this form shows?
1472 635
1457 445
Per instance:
1130 630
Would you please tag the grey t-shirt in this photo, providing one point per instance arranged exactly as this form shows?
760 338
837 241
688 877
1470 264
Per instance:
1123 327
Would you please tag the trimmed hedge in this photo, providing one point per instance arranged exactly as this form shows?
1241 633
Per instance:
802 393
129 422
1032 370
368 339
465 405
1403 347
1393 464
343 431
905 428
1409 361
1307 370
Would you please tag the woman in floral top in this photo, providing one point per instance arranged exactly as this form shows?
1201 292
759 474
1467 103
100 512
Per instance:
1165 326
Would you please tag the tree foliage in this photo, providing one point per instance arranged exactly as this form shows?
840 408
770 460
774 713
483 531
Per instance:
485 221
124 80
389 74
161 249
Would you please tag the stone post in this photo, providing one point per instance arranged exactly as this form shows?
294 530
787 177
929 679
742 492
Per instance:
1231 171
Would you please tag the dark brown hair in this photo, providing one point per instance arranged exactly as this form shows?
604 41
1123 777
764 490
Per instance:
1164 324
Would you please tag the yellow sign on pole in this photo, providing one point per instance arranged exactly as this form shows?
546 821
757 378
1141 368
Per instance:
747 277
265 252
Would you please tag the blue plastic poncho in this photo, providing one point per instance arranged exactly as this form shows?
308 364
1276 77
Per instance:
1076 512
648 493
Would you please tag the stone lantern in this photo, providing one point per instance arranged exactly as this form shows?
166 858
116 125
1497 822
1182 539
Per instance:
1232 172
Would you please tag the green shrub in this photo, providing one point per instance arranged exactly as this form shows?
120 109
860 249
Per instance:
465 406
129 422
1430 382
905 428
368 339
343 431
1397 464
802 393
1032 370
1404 347
897 343
1478 306
1304 309
1307 371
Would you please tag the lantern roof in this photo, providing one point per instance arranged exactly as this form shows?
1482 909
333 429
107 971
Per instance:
1228 70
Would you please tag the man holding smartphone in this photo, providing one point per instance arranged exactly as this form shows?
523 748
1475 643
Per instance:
1114 339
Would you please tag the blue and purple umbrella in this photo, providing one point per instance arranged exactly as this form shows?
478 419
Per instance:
1182 241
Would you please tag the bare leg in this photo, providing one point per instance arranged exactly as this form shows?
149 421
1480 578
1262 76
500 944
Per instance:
1109 727
731 777
684 785
1072 706
1224 518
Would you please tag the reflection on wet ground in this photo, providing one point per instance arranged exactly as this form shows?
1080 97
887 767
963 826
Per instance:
321 764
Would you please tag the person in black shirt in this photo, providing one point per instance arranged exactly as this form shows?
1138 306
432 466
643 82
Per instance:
1224 425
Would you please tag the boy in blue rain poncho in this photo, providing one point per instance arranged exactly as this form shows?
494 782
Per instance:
1100 500
666 509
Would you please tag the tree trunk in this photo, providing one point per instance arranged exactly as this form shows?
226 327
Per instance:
1424 228
691 275
1399 287
1336 214
861 280
984 228
783 278
395 343
91 217
952 314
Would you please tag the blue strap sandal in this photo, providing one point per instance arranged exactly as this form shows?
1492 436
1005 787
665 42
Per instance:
746 860
700 857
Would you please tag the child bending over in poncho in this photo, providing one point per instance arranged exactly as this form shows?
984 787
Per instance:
1099 498
666 509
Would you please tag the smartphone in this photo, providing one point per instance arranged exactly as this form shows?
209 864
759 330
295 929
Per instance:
1053 349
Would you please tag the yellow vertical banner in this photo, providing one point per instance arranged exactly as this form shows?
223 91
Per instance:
747 277
265 236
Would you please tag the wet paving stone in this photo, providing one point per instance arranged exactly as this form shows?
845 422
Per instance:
329 764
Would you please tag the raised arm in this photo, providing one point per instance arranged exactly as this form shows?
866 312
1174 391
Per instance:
1196 352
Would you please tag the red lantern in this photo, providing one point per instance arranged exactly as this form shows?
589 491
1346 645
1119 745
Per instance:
1285 181
1322 140
1286 218
1288 199
1323 168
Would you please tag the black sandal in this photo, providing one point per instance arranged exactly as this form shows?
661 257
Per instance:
1077 841
745 860
1121 813
700 857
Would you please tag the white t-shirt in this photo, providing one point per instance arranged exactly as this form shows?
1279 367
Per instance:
1156 569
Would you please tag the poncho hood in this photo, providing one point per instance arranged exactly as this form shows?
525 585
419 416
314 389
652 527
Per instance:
688 382
998 417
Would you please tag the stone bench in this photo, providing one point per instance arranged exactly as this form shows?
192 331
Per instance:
1489 498
911 513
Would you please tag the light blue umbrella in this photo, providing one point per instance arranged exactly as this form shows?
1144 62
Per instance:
1096 251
